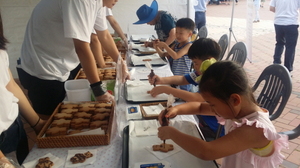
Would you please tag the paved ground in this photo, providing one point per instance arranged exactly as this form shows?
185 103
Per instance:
263 44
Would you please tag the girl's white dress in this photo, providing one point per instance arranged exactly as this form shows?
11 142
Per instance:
246 158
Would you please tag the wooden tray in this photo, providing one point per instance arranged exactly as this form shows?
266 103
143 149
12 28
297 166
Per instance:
150 117
74 140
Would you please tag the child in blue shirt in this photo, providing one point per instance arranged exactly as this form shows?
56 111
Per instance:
201 50
177 53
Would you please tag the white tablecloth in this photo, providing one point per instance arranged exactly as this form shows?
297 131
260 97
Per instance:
109 156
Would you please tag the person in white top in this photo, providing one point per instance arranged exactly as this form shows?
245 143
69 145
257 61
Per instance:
286 29
12 100
96 45
57 39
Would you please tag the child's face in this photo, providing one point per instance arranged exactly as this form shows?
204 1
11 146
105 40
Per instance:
219 107
109 3
183 34
197 63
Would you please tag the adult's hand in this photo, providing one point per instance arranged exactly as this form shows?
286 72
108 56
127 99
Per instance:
106 97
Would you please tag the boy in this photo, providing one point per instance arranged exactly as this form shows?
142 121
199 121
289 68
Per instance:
201 50
177 54
163 21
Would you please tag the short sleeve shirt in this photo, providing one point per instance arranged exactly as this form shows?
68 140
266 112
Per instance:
165 23
48 50
8 102
286 11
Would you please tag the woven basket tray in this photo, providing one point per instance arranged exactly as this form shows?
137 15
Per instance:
150 117
74 140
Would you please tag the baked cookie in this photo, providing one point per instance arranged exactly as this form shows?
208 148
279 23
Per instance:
100 116
163 147
87 109
74 132
61 123
102 110
56 131
97 124
82 115
78 158
103 105
44 163
62 116
86 105
88 154
81 157
79 123
69 111
68 106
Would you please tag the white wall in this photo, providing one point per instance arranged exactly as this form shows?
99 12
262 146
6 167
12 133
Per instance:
15 14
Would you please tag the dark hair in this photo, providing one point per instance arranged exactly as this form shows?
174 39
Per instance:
224 78
3 40
204 48
186 23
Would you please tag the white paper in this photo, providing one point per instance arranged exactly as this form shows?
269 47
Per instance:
139 153
137 92
144 127
88 161
140 60
97 131
154 109
57 161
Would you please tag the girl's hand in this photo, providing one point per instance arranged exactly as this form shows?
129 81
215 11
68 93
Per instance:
165 132
172 112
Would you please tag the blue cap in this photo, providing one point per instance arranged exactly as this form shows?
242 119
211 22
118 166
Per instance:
146 13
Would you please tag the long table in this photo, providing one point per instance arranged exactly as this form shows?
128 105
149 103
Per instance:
109 156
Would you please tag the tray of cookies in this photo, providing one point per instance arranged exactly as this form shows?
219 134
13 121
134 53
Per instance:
78 124
104 74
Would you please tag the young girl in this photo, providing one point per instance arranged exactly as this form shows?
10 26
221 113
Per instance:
12 134
251 140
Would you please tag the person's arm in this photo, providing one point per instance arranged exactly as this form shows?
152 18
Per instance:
172 53
157 48
176 80
115 25
272 9
97 51
236 141
172 36
25 107
182 94
109 46
88 64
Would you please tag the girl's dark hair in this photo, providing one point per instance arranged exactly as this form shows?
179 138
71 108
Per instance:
186 23
224 78
204 48
3 40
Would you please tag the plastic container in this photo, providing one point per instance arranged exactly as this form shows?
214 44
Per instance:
78 90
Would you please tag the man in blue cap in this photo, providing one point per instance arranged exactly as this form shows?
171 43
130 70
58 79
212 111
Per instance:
163 21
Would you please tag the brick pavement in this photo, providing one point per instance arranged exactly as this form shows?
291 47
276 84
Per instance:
263 44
